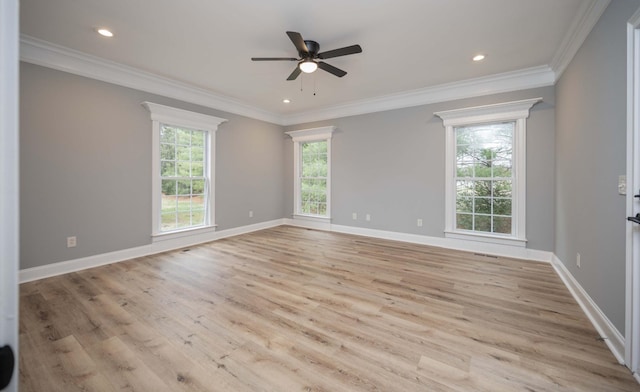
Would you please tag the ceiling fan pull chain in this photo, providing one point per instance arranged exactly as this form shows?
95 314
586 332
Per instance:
314 84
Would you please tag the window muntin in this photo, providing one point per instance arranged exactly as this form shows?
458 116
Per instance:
183 177
484 177
314 169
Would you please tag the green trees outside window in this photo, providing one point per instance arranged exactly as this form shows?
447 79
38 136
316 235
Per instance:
484 177
313 178
182 173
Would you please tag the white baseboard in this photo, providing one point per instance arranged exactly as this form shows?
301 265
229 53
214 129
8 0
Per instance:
613 338
606 329
64 267
442 242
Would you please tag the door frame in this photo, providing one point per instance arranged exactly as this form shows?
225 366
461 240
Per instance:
9 178
632 308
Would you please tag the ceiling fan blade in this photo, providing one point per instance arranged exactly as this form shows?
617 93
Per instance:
294 74
298 42
331 69
274 59
353 49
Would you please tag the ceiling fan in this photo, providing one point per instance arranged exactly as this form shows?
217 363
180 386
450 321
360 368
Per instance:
309 56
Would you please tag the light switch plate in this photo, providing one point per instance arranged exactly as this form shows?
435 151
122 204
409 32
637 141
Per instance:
622 185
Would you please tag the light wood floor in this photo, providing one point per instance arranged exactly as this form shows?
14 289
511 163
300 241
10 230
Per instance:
289 309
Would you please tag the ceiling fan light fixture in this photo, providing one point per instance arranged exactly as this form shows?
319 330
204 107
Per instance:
308 66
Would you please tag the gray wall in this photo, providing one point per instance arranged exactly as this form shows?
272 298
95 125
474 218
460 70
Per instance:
391 165
590 155
85 167
86 163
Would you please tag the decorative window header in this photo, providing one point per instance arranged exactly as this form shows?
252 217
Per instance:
488 113
186 118
312 134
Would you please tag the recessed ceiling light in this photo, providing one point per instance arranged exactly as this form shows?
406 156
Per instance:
286 100
478 57
105 33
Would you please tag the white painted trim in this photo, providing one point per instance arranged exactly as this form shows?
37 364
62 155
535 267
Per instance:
632 254
312 222
494 84
303 136
161 114
492 239
311 134
9 181
487 113
183 233
605 328
185 118
64 267
517 111
46 54
584 21
441 242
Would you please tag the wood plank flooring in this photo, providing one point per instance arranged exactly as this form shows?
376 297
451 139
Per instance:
290 309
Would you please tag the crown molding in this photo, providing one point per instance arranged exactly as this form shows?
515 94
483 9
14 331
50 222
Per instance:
46 54
509 81
39 52
584 21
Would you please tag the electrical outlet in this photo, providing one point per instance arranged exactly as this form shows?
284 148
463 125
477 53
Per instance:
72 242
578 260
354 216
368 217
250 213
419 223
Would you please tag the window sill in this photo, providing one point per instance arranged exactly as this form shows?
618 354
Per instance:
491 239
312 222
313 218
158 237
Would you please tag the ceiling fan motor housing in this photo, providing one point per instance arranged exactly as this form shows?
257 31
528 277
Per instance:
313 48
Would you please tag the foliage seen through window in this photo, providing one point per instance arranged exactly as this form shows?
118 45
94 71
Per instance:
183 170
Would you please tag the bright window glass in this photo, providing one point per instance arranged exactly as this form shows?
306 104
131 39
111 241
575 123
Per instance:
484 177
183 178
314 167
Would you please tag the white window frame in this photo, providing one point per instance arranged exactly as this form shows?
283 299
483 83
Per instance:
167 115
304 136
515 111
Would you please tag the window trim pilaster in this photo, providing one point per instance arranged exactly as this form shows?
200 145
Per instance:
517 111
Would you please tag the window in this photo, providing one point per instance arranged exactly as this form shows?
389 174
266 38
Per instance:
183 170
483 177
313 178
485 172
312 172
183 177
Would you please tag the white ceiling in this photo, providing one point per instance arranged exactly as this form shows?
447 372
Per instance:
407 45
